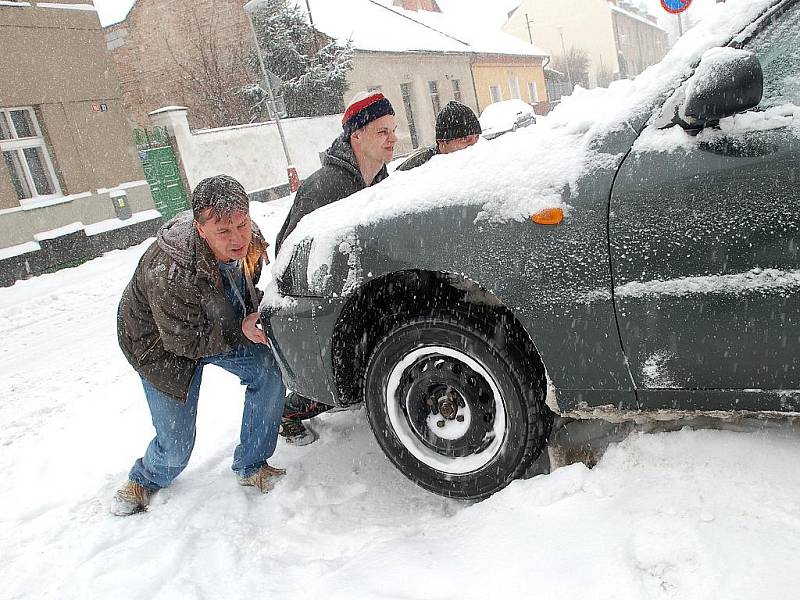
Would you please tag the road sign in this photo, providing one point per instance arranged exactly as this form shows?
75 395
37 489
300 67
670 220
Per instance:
675 6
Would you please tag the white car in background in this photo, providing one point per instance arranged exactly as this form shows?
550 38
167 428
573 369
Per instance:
504 116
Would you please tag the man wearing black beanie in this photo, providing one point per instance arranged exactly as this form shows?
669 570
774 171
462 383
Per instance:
457 128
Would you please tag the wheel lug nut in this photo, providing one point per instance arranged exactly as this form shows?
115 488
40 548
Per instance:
460 418
440 423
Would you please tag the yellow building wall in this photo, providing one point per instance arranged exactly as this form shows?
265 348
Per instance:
499 72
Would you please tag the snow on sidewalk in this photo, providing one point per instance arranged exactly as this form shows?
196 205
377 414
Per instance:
692 514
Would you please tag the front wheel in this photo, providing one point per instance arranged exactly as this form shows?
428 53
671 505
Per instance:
456 405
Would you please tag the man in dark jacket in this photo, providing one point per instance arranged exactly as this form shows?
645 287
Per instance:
193 301
457 128
356 160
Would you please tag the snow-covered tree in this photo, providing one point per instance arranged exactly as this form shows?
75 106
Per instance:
212 71
311 69
575 64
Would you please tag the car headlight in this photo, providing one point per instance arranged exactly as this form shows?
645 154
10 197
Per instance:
294 280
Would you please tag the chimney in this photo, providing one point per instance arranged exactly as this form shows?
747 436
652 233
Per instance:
416 5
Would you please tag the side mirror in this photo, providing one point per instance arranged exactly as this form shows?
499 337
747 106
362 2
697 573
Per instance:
727 81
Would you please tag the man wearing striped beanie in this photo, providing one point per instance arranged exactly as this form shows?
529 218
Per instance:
356 160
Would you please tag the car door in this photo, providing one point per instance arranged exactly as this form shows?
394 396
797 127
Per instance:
704 235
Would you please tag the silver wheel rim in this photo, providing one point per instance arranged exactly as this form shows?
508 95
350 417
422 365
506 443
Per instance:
398 416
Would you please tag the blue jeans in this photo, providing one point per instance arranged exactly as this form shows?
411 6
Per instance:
174 422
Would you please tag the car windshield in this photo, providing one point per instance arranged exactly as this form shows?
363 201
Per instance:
778 50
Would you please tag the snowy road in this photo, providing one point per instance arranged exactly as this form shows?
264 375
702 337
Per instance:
693 514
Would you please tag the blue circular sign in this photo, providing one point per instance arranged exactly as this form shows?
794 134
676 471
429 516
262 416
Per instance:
675 6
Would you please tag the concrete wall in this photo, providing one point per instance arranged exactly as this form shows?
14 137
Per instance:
22 224
55 61
388 70
500 70
250 153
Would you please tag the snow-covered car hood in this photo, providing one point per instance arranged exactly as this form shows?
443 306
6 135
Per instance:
516 176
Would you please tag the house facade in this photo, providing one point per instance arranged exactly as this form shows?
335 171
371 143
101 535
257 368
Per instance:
71 184
619 40
639 41
417 85
187 53
503 77
420 58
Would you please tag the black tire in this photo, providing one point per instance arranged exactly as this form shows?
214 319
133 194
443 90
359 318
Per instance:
500 423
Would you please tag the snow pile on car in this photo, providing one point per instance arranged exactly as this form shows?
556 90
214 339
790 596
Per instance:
516 176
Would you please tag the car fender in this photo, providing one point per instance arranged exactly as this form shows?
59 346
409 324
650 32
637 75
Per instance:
554 279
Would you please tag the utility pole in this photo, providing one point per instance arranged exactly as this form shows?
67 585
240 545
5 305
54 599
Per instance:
528 24
311 22
566 59
291 171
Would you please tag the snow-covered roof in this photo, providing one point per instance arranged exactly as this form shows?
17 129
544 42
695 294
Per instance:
467 22
374 27
517 175
113 12
491 15
377 25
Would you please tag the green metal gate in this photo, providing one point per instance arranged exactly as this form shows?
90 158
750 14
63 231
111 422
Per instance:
161 171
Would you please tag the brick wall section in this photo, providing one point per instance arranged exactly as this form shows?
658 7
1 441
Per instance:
149 45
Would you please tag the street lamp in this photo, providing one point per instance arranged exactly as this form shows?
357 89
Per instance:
291 171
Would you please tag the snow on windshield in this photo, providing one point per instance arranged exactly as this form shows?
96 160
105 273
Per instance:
516 175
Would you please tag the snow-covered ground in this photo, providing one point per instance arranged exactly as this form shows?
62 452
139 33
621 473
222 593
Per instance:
692 514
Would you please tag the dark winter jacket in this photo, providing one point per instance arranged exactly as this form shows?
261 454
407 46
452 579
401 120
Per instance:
174 310
420 157
338 178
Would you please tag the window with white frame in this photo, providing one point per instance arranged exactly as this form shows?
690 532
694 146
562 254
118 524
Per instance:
496 93
513 86
25 155
533 92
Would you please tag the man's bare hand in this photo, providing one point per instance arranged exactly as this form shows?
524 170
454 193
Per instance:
251 330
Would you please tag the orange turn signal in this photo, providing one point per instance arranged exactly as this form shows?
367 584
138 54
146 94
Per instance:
548 216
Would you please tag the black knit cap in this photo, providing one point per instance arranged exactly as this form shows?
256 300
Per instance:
455 121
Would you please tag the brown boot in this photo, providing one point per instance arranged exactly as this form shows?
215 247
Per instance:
264 479
131 498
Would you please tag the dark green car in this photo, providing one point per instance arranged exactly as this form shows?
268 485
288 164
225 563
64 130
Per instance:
464 311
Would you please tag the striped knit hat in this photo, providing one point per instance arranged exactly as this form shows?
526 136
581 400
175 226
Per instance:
363 109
